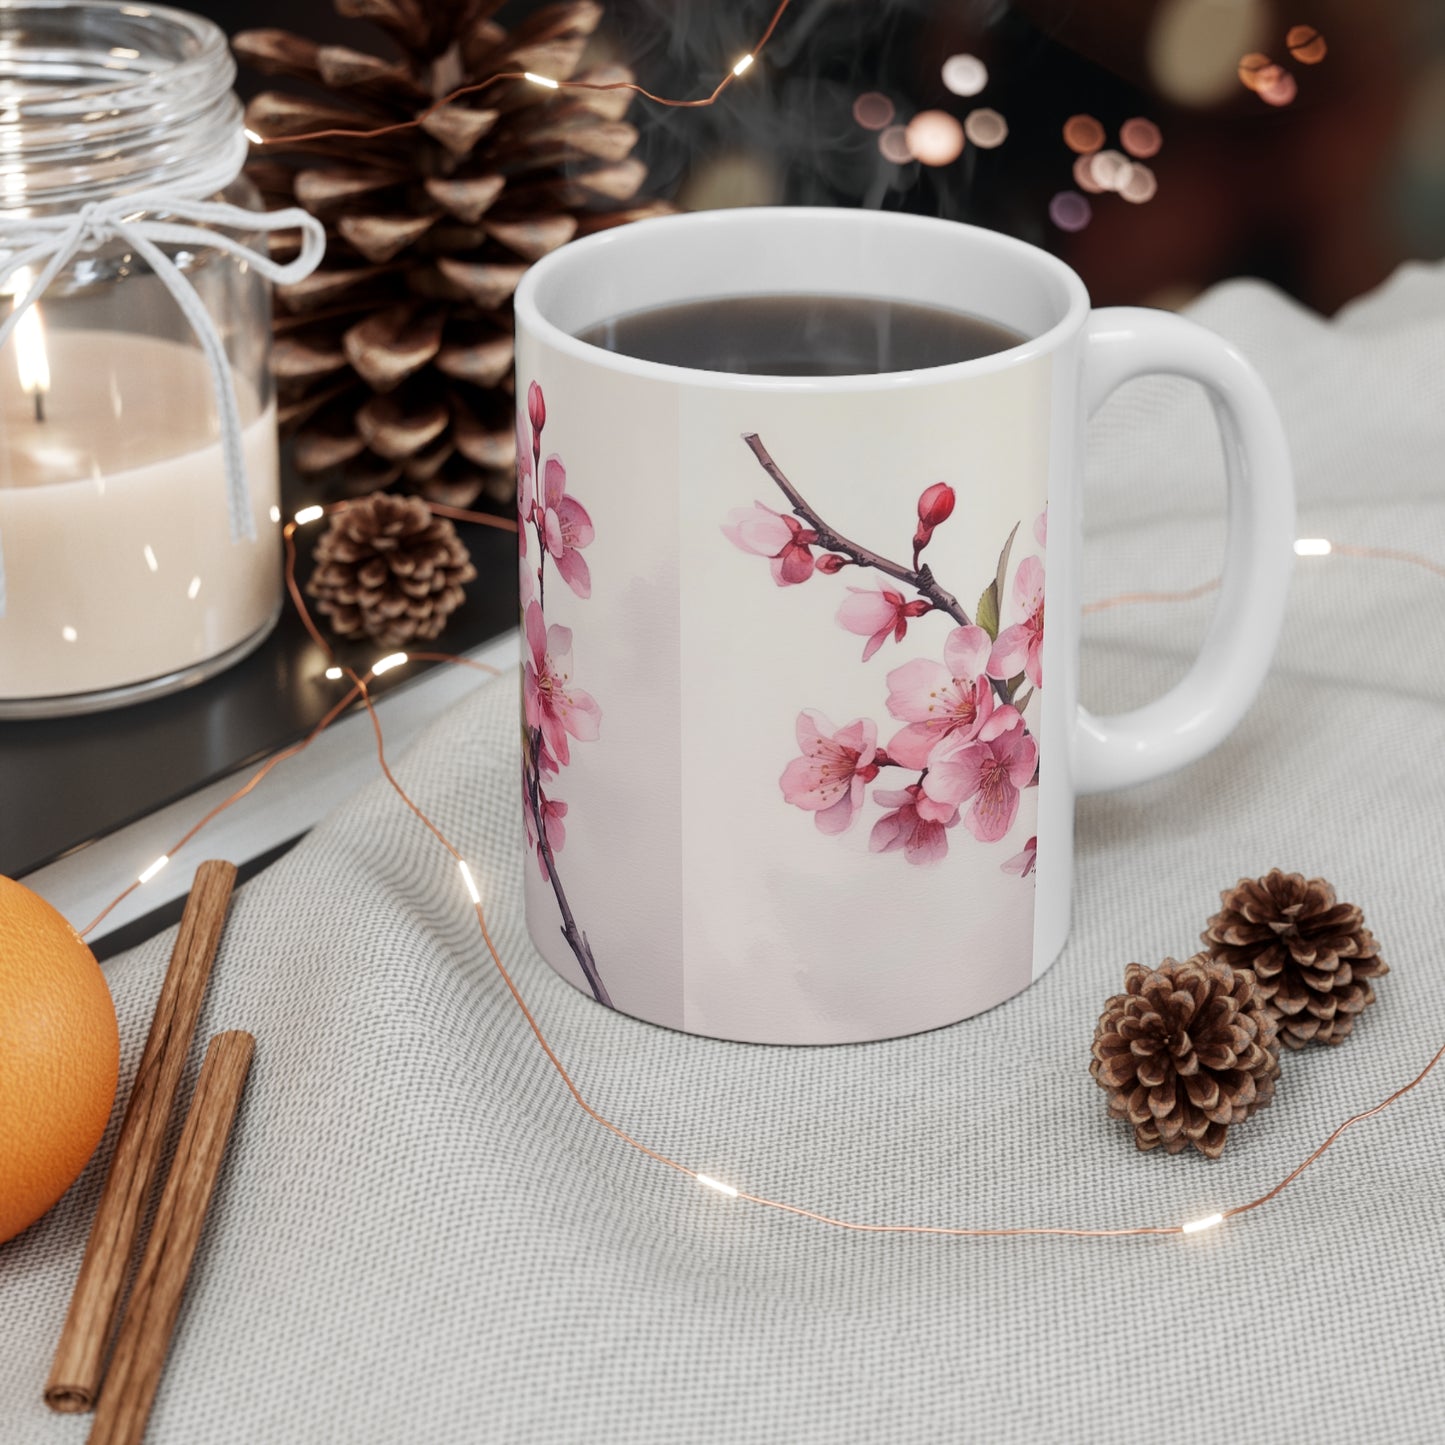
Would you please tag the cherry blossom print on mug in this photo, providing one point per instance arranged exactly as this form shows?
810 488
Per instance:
965 753
556 711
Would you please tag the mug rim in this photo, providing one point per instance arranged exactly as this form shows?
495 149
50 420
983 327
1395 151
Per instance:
589 249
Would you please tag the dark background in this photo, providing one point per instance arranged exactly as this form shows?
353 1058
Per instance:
1323 196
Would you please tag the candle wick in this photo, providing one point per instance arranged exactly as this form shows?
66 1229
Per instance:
39 404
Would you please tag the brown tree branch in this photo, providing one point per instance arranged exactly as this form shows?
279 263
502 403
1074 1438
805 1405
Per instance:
921 579
576 939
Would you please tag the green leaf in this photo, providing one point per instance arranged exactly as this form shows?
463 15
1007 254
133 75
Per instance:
1022 702
999 576
987 614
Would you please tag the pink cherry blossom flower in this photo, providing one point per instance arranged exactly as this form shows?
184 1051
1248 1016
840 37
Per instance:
763 532
875 613
1041 527
536 408
548 699
912 825
566 527
940 701
1023 863
828 780
990 769
1020 648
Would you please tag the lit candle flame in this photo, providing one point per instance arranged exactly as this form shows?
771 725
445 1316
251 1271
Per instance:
30 356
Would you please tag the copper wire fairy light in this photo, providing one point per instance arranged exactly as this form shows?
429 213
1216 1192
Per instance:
547 82
360 690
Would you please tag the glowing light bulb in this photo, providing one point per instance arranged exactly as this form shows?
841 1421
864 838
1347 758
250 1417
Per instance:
1196 1225
873 110
309 514
934 137
742 64
541 80
256 140
154 868
333 673
1306 44
469 880
275 513
985 128
1313 547
385 664
1070 211
708 1182
964 74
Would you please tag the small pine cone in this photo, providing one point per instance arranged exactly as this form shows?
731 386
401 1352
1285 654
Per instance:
1313 957
1185 1051
387 569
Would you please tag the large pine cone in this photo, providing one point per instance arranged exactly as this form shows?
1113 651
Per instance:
394 359
1185 1051
1313 956
387 569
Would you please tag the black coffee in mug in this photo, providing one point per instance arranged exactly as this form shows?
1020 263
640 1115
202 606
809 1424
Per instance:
801 335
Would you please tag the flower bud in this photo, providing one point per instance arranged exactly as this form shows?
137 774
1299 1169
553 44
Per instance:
831 562
935 505
537 414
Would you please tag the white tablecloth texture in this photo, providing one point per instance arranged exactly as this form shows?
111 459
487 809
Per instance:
419 1237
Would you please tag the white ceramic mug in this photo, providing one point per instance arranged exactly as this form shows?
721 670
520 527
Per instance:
739 826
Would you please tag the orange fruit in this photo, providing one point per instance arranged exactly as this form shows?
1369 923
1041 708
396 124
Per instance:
59 1056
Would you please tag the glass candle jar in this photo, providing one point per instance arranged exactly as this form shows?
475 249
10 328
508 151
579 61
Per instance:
131 568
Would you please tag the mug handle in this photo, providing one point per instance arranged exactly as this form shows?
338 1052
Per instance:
1198 712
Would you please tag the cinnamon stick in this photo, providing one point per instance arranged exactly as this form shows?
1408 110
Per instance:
79 1362
155 1298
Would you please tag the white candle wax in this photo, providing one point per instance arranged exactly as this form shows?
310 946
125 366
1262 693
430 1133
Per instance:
113 518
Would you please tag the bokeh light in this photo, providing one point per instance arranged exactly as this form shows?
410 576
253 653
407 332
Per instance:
1193 47
934 137
1139 185
1110 170
965 74
1251 67
985 128
1084 175
1083 134
1070 211
893 142
1306 44
1140 137
873 110
1276 86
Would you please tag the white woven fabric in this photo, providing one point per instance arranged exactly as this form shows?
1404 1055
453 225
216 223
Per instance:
419 1237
